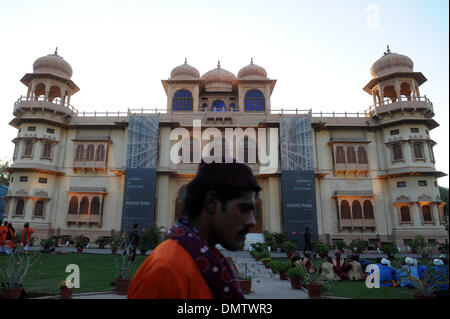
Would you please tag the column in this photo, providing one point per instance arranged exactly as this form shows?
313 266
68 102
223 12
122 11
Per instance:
397 90
47 91
63 93
33 88
413 90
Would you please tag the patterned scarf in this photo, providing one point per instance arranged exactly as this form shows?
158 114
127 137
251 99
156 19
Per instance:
215 270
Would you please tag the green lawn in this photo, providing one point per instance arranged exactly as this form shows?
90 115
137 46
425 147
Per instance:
97 271
358 290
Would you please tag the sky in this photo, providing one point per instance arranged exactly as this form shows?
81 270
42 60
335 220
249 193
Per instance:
320 52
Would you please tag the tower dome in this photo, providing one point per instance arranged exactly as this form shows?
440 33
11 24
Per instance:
252 71
53 64
184 71
391 63
218 80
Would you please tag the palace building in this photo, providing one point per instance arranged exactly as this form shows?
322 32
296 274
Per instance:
368 175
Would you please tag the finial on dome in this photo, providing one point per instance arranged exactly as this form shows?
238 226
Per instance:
56 51
218 64
251 60
388 50
185 60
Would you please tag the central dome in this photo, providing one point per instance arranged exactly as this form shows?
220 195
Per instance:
184 71
218 80
53 64
391 63
252 71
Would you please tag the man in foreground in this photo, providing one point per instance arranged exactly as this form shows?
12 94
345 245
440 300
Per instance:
218 209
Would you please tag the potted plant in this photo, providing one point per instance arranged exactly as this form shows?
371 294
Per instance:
124 268
56 240
66 292
340 244
244 277
266 261
313 281
357 245
279 267
425 287
418 244
322 249
296 276
150 239
80 243
115 243
47 243
15 271
289 248
102 242
390 250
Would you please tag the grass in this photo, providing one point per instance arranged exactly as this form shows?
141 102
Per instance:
358 290
97 272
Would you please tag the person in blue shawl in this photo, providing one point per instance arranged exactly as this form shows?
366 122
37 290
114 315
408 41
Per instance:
387 274
408 269
440 274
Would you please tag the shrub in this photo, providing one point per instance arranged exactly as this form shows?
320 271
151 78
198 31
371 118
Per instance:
266 260
289 246
13 274
357 245
47 243
296 272
80 241
321 248
419 243
340 244
279 266
389 249
259 247
102 241
151 238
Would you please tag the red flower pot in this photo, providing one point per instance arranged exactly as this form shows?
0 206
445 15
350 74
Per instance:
314 291
79 250
296 283
283 275
246 286
113 251
66 293
122 286
11 293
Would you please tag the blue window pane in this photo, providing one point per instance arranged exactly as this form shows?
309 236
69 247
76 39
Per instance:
254 93
183 93
218 106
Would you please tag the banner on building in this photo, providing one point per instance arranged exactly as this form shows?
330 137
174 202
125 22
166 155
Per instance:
140 175
297 178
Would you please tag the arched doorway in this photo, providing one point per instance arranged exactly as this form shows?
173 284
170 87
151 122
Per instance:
258 216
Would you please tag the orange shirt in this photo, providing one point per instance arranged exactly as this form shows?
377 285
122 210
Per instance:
169 272
22 238
3 230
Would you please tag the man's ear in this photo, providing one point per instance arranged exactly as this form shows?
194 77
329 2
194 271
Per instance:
211 202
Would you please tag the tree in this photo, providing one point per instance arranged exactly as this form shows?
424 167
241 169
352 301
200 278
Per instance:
4 174
443 191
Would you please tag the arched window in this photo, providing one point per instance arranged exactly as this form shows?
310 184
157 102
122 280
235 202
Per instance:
55 92
351 155
418 151
204 107
28 148
182 192
368 210
405 90
95 206
356 210
426 213
405 214
345 210
79 153
218 106
90 152
47 150
340 155
362 155
182 101
100 153
73 205
19 207
39 90
39 209
233 108
84 206
254 101
389 91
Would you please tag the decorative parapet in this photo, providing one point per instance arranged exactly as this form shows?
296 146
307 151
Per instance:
348 139
91 138
425 198
41 194
362 193
87 189
403 199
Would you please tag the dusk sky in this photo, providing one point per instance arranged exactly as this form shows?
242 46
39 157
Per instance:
320 52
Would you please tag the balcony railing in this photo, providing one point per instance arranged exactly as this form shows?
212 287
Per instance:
84 218
388 101
357 223
56 101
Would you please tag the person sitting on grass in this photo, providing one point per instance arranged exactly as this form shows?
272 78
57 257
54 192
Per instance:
306 262
340 267
326 270
355 273
387 274
409 268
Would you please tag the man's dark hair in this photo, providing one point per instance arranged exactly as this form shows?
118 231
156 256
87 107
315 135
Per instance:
26 225
5 223
199 187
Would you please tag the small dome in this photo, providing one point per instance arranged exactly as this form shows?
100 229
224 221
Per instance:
391 63
53 64
252 71
218 79
184 71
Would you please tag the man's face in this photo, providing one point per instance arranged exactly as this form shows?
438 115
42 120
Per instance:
229 227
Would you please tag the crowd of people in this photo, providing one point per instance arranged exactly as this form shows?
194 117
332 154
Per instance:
7 234
338 268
